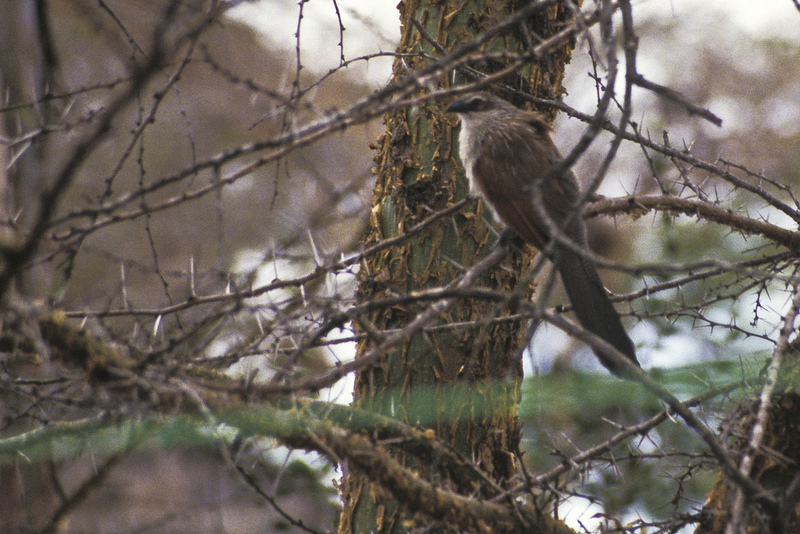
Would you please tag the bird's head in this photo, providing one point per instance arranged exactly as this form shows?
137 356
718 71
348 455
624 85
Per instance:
477 103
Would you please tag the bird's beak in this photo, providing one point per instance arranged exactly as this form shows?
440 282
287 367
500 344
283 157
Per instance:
457 106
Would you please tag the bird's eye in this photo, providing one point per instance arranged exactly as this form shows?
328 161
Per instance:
477 102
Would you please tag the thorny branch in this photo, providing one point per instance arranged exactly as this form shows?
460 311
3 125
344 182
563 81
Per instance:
765 400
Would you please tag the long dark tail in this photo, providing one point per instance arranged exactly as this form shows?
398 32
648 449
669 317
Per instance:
592 306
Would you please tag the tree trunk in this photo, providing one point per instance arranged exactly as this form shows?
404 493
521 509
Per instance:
26 66
418 174
774 463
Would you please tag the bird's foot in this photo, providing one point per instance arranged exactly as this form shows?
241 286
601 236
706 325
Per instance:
510 239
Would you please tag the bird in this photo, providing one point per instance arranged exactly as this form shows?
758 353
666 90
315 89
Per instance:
511 162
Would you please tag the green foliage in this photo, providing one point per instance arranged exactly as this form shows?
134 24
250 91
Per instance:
567 414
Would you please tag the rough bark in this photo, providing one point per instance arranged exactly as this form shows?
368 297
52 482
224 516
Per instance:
417 173
774 464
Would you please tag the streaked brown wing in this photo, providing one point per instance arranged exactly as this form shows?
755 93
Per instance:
517 213
508 173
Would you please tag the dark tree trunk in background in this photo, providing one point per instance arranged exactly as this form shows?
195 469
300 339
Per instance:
25 66
464 383
774 465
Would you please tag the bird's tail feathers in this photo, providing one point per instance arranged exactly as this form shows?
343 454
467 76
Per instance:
593 307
